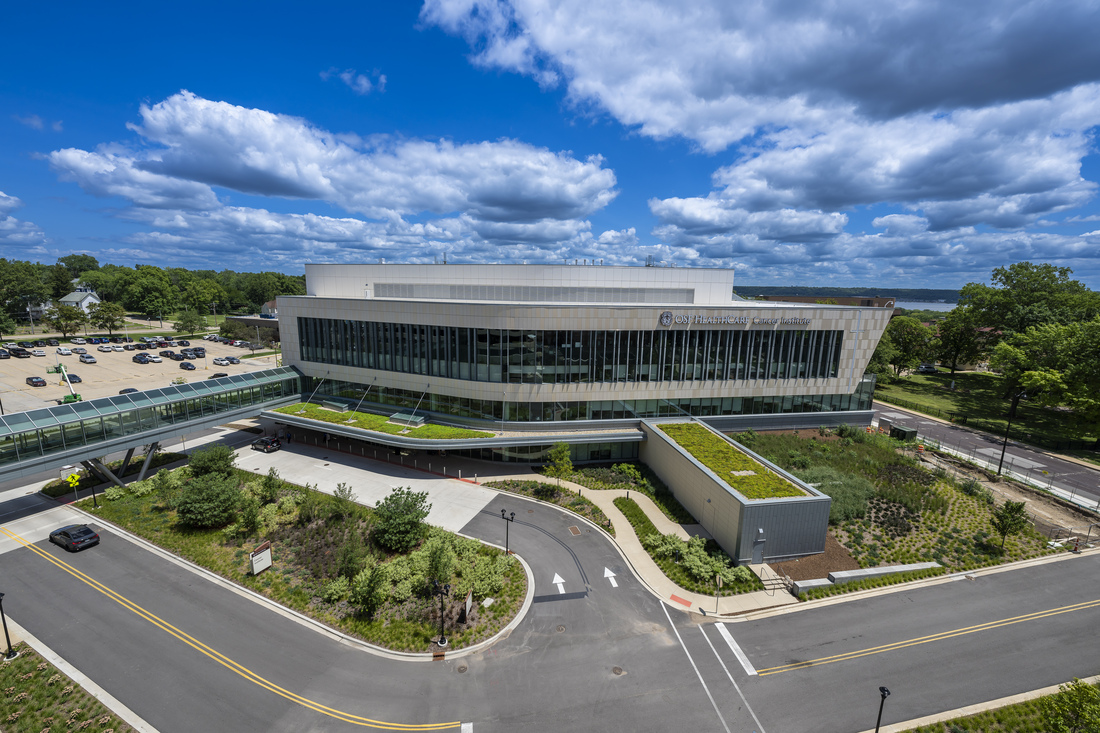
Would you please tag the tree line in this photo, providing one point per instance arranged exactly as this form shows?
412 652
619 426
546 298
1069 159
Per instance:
1033 323
146 289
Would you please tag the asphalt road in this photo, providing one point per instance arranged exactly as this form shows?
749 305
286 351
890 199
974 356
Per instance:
187 654
1073 479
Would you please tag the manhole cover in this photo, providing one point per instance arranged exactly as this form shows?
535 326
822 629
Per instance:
561 629
462 669
616 670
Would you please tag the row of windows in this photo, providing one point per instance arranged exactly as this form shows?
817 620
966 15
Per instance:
89 431
505 409
556 357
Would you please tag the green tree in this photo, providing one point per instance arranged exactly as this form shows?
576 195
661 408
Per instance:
958 340
109 316
1075 708
343 504
352 556
215 459
441 558
398 519
1032 362
189 322
150 292
1024 294
209 501
7 324
78 264
66 319
911 341
1009 518
60 281
109 282
370 588
199 294
561 465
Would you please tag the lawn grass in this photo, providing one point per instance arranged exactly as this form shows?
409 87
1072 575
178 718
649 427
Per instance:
553 495
979 397
306 552
727 462
380 423
60 487
36 696
672 569
601 478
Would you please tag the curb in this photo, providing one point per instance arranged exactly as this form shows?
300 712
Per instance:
314 624
134 720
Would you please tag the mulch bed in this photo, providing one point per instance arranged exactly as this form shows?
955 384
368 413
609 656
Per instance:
834 558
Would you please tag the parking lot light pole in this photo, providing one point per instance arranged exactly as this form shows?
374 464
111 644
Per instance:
509 520
11 653
885 694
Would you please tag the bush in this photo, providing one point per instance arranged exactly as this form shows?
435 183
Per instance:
849 492
335 591
353 555
114 493
215 459
370 588
141 488
343 504
399 519
441 557
209 502
269 487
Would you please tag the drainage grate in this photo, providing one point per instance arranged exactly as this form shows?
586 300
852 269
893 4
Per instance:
575 531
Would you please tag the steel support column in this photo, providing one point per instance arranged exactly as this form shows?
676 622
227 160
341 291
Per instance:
150 450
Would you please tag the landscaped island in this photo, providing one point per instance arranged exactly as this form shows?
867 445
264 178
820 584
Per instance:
747 477
380 423
371 573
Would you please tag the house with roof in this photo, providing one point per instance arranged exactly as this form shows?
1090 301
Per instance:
80 299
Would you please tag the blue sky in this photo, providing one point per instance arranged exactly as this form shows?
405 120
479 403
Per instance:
851 143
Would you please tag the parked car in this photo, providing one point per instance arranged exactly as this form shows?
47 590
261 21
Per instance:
73 379
4 354
80 350
184 343
210 337
128 347
78 341
117 347
36 381
63 351
188 366
216 375
140 358
52 342
177 357
87 359
19 353
189 355
74 537
267 445
26 344
154 359
142 346
927 369
221 361
167 352
128 390
105 348
38 352
233 360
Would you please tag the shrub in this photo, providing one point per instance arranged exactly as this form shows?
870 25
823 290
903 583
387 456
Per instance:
114 493
399 519
335 591
1075 708
250 515
441 557
352 557
370 588
208 502
849 492
344 501
215 459
269 487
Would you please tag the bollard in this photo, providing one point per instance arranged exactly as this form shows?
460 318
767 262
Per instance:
460 474
475 478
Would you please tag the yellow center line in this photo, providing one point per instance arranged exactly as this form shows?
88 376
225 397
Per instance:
931 637
224 660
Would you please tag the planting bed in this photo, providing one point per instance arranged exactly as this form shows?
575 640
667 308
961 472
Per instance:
553 495
746 476
618 476
380 423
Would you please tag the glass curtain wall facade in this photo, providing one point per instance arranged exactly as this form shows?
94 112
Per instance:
38 433
571 356
513 410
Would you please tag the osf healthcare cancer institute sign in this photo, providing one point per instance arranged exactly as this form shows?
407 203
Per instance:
261 558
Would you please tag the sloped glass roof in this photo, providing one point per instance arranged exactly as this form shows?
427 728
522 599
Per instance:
22 421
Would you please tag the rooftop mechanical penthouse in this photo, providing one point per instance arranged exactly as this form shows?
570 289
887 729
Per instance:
565 350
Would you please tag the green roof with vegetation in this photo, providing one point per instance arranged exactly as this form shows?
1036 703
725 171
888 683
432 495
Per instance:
727 463
381 424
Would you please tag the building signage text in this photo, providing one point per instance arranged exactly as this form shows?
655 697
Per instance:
668 318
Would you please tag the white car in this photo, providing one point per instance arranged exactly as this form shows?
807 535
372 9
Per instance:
78 341
105 347
38 352
117 347
155 359
11 345
64 351
87 359
221 361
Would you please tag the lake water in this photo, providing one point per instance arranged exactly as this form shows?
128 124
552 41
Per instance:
923 306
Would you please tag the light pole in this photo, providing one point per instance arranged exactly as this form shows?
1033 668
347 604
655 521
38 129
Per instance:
443 591
509 520
1004 445
11 653
885 694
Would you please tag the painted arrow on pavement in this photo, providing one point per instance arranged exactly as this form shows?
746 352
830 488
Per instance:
610 576
560 582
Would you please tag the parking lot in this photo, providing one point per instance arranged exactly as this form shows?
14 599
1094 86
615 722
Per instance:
112 372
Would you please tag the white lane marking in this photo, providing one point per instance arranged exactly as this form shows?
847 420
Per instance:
610 576
467 728
732 682
749 669
697 674
560 582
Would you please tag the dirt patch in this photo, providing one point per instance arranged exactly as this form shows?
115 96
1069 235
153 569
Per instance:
834 558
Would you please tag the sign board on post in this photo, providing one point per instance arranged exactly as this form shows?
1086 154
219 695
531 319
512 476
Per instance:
261 558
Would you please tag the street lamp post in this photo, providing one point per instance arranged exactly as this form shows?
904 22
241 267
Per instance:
11 653
1004 445
885 694
509 520
443 591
